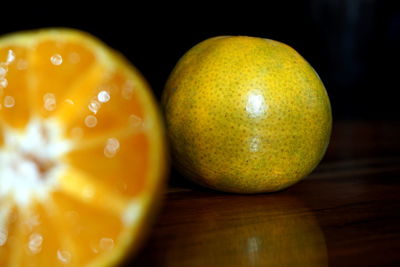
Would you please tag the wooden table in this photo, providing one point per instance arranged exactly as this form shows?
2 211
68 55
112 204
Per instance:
346 213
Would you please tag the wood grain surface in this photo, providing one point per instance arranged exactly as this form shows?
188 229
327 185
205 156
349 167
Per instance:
346 213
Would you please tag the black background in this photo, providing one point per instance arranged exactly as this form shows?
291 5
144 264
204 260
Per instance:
353 44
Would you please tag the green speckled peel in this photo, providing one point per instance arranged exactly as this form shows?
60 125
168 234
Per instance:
246 115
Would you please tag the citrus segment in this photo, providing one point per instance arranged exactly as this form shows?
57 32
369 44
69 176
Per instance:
37 239
75 101
83 224
87 190
111 155
101 114
82 152
56 65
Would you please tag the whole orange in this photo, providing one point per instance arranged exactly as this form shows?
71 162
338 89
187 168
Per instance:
246 115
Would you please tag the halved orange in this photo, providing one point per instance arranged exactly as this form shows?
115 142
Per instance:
82 153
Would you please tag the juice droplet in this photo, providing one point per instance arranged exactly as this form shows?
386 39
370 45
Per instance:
106 243
9 101
35 243
10 56
90 121
94 106
3 82
3 71
111 148
49 101
56 59
103 96
64 256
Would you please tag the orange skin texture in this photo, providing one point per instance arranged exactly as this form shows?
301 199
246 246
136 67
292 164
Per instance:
246 115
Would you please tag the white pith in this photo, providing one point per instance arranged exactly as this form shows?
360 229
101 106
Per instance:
22 157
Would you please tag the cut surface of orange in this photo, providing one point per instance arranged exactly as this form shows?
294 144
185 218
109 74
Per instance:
82 153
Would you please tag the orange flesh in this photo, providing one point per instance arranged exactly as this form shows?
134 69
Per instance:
99 110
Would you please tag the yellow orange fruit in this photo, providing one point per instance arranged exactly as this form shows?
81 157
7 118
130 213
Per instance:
246 115
82 153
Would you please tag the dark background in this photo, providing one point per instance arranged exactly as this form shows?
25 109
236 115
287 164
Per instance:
353 44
